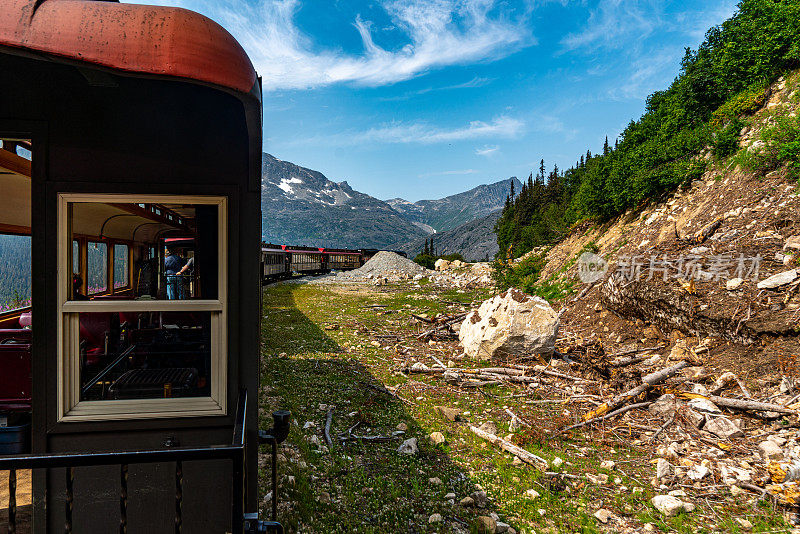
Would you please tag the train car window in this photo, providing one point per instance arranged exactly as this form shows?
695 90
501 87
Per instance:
145 355
156 345
15 272
121 272
97 268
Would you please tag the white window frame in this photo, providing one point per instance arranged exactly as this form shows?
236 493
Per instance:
70 407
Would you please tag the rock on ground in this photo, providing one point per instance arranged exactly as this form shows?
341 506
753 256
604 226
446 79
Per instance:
486 525
723 428
670 506
510 323
777 280
409 446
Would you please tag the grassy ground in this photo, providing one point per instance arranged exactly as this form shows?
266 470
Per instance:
330 346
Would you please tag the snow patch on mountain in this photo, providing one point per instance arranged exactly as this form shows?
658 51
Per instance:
286 184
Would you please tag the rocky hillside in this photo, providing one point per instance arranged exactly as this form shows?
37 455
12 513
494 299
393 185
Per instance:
302 206
451 212
475 240
717 263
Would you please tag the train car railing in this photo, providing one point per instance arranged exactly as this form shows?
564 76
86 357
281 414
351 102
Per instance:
241 522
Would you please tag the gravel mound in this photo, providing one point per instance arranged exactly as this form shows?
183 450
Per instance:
385 264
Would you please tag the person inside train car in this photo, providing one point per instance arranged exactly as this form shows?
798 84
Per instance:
185 276
173 263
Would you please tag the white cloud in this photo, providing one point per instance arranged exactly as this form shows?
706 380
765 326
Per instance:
647 74
487 150
438 33
613 23
422 133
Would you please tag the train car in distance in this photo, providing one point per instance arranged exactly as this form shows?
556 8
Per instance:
279 262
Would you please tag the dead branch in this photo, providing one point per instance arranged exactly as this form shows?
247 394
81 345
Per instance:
625 362
522 454
648 381
604 417
515 416
740 404
707 231
327 433
663 427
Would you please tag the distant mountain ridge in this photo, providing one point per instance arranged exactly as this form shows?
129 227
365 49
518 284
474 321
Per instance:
302 206
455 210
475 240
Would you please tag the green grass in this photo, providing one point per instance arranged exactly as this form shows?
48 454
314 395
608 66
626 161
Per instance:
372 487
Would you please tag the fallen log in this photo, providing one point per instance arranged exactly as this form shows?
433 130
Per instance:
707 231
741 404
522 454
648 381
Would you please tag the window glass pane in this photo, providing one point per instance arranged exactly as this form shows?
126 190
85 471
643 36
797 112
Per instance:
76 258
151 355
171 250
15 272
97 259
120 266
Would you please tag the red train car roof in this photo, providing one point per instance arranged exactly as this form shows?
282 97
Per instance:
151 40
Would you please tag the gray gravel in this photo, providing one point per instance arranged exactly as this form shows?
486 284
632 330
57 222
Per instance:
385 264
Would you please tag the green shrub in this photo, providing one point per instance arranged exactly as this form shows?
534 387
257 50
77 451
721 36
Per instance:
746 102
520 275
426 260
726 141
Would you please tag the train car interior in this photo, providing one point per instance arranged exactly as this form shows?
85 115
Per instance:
15 288
143 251
120 252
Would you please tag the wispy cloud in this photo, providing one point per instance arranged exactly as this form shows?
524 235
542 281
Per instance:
474 82
487 150
647 74
437 33
449 173
422 133
614 23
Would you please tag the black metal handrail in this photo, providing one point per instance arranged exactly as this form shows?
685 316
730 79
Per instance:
235 452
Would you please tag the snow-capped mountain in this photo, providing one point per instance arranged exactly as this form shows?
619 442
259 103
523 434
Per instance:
301 206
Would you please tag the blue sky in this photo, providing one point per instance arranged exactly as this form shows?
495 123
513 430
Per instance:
426 98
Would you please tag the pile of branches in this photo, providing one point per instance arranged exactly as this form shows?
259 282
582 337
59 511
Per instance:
614 383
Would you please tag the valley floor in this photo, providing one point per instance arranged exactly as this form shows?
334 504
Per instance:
343 349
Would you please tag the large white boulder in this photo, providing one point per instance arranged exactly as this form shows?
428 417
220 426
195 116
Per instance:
511 323
441 264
